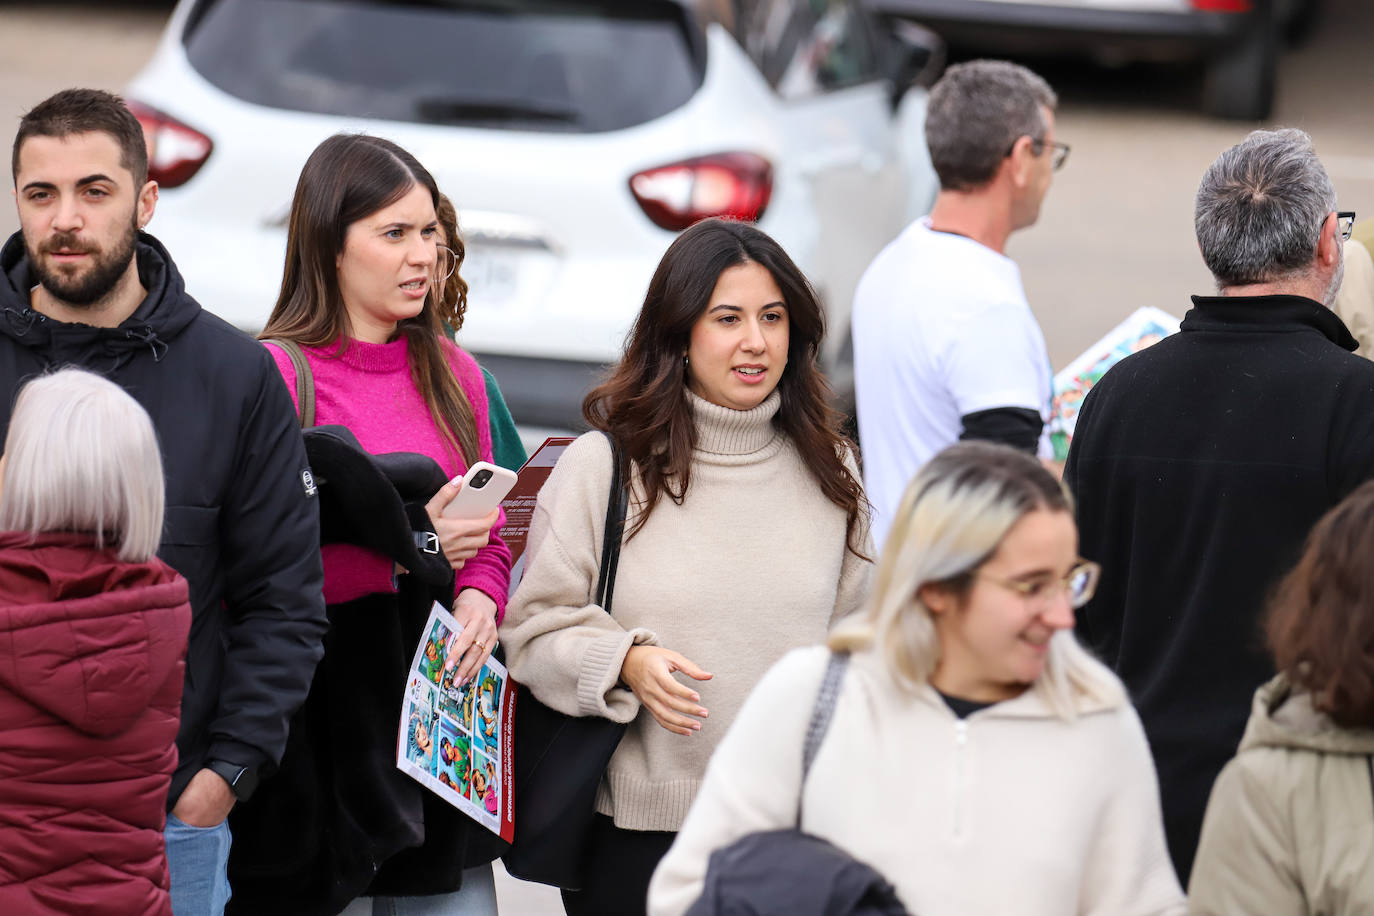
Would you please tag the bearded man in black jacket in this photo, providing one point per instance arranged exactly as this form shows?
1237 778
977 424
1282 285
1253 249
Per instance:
1200 463
82 285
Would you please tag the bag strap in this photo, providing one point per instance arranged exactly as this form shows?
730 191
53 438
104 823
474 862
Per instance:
305 380
822 711
616 502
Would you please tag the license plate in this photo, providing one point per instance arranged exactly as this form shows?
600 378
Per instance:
493 276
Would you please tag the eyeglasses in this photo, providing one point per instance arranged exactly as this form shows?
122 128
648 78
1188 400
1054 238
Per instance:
1345 220
446 264
1079 585
1060 151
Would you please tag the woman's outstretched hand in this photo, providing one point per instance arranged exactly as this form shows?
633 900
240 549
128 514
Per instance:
460 538
648 670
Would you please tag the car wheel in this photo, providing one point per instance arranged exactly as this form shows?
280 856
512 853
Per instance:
1301 20
1239 84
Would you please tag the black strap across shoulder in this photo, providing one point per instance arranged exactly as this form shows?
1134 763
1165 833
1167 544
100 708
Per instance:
822 711
305 380
1369 763
616 503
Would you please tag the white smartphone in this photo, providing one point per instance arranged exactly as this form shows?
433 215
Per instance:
484 486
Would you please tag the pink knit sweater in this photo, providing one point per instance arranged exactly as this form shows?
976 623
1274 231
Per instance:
369 390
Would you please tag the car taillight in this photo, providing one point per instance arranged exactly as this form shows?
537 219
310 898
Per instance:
734 185
175 151
1223 6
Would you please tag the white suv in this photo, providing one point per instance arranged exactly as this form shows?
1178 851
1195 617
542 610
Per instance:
575 138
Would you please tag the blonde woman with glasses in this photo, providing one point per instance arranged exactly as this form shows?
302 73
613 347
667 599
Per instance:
976 756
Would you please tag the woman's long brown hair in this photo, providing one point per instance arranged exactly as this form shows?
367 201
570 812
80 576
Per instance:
643 405
349 177
453 302
1320 625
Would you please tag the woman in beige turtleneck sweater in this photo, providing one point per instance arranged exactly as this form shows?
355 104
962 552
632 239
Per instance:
747 535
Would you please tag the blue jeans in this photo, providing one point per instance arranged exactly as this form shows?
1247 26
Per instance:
198 858
477 897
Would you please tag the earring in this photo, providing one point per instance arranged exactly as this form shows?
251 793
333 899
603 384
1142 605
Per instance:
685 361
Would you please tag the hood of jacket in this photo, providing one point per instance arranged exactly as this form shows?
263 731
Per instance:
164 312
84 636
1283 716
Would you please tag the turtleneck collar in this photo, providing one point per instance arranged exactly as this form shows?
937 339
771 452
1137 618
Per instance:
1272 313
370 357
726 432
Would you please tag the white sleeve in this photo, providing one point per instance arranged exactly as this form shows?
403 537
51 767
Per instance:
752 782
992 363
1128 872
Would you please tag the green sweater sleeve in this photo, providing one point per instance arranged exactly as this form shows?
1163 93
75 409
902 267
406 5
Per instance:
506 447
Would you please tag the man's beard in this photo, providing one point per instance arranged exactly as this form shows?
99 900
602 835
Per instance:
97 280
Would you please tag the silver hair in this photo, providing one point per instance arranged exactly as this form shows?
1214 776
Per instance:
1260 208
952 518
81 455
976 112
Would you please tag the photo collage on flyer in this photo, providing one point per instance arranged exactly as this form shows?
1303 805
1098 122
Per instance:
1142 328
452 733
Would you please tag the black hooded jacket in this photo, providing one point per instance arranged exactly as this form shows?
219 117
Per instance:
339 820
242 523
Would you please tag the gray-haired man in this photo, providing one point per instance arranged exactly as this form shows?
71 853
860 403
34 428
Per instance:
945 345
1200 464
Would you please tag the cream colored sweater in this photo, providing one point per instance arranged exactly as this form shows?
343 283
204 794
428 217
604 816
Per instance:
752 564
1010 811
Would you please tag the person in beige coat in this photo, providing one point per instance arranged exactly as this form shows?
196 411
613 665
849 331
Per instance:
746 536
977 756
1354 303
1290 823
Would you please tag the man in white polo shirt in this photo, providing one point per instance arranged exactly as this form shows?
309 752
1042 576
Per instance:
945 345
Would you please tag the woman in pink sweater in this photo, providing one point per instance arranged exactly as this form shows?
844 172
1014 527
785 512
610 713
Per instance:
362 296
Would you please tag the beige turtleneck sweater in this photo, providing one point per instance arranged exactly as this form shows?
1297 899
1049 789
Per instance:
752 564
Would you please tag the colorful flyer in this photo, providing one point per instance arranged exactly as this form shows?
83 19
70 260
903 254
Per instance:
456 738
519 503
1143 327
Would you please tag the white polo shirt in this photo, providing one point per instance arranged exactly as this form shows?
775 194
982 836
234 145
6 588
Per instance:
941 330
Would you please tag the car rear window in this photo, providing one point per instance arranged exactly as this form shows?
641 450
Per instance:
574 66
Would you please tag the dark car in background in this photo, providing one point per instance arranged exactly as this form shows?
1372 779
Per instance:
1236 41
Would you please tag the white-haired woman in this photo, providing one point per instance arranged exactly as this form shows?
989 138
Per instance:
977 757
92 644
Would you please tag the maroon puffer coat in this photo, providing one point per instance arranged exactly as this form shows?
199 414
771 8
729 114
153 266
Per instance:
91 659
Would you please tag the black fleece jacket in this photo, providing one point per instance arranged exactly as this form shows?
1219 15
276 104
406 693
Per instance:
1199 465
242 525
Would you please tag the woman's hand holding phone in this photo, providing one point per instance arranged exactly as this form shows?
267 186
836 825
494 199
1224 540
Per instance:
460 538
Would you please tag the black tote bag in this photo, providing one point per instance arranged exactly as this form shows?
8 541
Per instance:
560 759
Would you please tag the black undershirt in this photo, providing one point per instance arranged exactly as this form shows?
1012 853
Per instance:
961 707
1018 427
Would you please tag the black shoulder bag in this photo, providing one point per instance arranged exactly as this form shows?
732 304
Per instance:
560 759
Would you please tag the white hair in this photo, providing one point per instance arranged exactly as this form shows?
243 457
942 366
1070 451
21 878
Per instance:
952 518
81 455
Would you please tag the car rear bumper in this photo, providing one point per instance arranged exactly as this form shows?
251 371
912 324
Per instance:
542 391
1051 29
